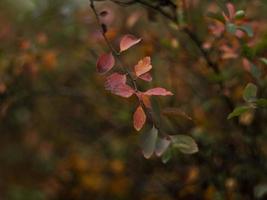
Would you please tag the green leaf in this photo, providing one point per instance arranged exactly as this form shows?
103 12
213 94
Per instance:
184 143
231 28
167 155
261 102
238 111
247 29
240 14
161 146
148 142
256 73
264 60
250 92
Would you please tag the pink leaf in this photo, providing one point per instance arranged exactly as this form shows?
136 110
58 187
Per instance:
139 118
143 66
123 90
231 10
146 77
128 41
105 63
158 92
114 80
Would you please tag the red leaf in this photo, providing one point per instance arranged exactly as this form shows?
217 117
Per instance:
114 80
123 90
116 84
139 118
143 66
105 63
158 92
146 77
128 41
231 10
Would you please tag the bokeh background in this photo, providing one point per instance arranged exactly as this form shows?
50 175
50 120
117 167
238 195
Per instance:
63 137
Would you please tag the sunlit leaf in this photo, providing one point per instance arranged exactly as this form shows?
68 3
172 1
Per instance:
161 146
148 142
158 92
139 118
143 66
184 143
128 41
238 111
105 63
264 60
250 92
240 14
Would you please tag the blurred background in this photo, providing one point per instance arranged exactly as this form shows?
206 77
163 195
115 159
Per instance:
63 137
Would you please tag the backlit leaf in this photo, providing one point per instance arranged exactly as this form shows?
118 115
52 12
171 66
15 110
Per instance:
158 92
128 41
148 142
123 90
238 111
143 66
105 63
184 143
139 118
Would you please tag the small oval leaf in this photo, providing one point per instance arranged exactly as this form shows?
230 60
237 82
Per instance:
105 63
161 146
148 142
184 143
238 111
250 92
128 41
143 66
158 92
139 118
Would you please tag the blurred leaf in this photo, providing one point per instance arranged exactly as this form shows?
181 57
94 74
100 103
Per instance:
261 102
247 29
148 142
167 155
260 190
250 92
161 146
240 14
231 28
158 92
264 60
184 143
216 16
238 111
256 73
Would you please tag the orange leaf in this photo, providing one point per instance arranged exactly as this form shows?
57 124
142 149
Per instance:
105 63
158 92
139 118
143 66
128 41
